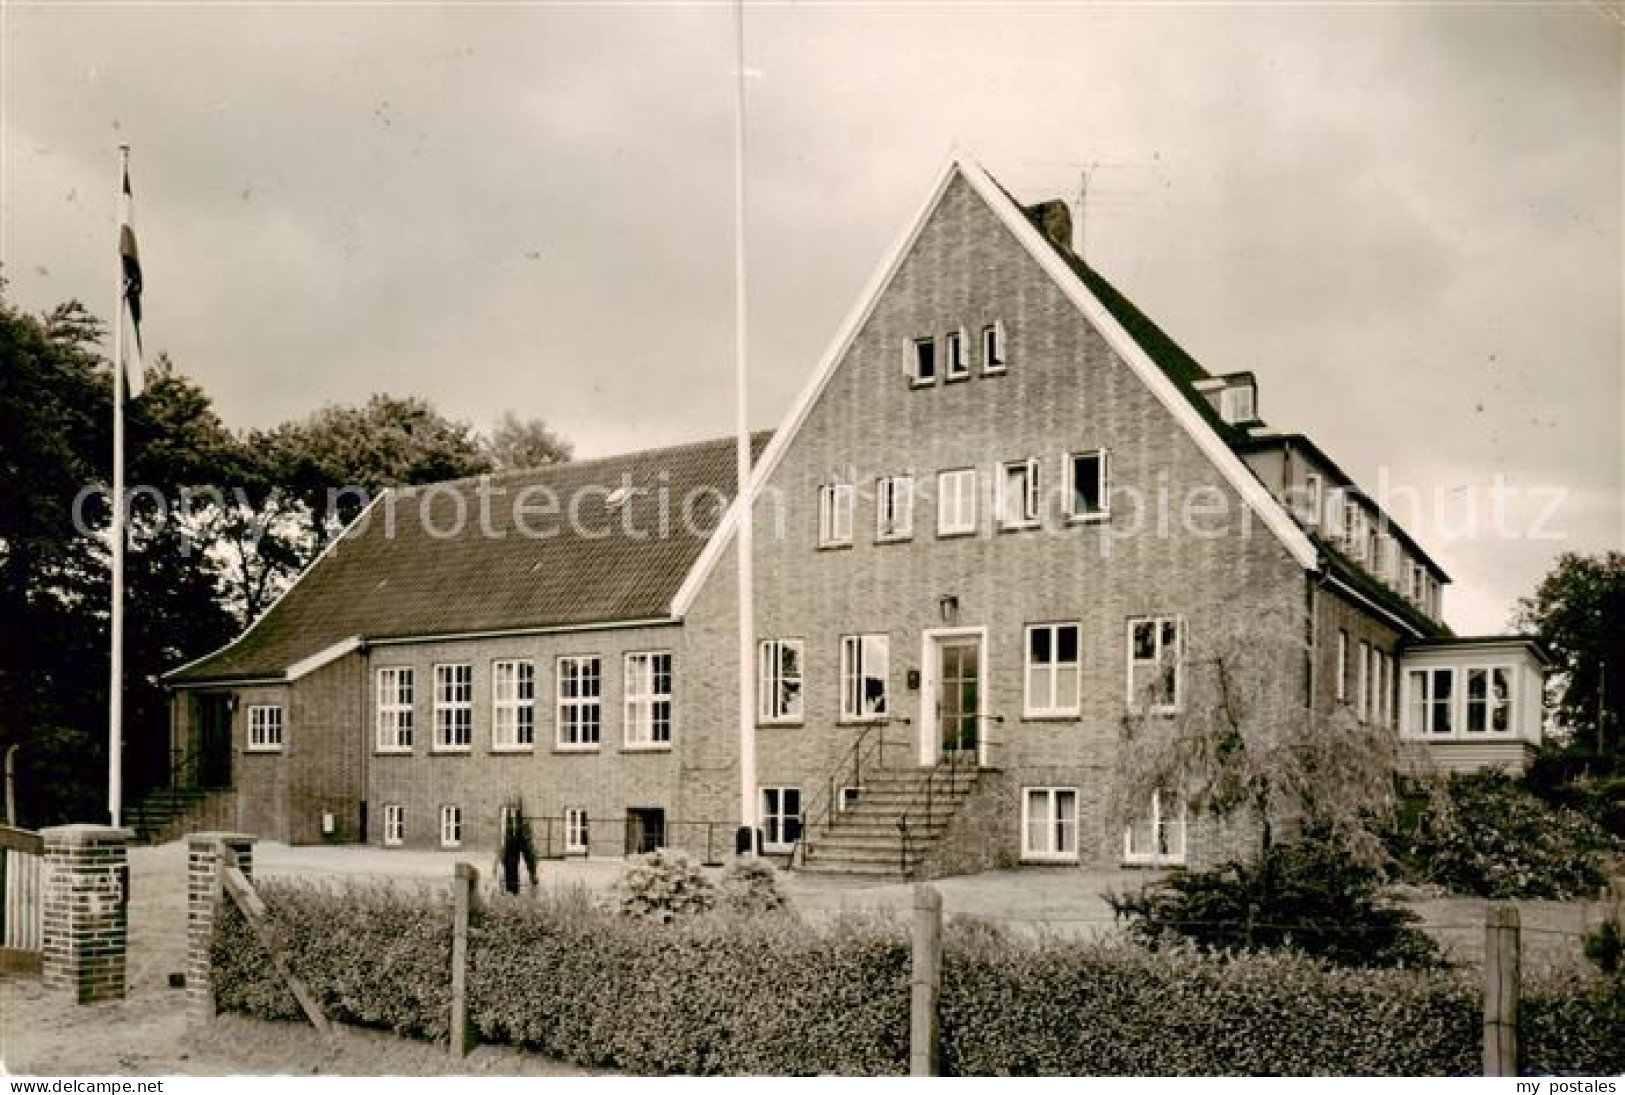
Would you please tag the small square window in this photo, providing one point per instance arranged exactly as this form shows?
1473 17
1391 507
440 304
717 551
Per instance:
264 728
924 361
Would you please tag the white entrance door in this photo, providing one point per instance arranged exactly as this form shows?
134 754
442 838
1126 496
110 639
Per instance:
952 708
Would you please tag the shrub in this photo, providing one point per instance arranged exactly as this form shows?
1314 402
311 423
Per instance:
1605 946
663 886
768 995
1493 838
751 888
1307 896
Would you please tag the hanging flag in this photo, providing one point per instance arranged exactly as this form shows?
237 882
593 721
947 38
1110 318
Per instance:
134 373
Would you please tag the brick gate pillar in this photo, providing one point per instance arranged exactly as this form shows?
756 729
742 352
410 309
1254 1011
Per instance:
206 853
87 906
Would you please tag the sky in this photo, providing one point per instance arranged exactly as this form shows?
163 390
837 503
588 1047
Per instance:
1406 220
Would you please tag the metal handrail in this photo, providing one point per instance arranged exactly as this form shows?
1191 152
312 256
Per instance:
957 759
819 813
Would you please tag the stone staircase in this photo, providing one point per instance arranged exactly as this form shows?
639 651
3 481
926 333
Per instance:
897 819
171 812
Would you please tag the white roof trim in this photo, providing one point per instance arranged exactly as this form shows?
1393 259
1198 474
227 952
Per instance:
325 552
1398 621
517 632
768 462
323 657
1230 465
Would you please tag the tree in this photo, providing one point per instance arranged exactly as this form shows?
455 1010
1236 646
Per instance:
1244 748
1578 615
529 443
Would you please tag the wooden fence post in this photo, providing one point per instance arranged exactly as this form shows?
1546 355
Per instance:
925 983
1502 961
464 887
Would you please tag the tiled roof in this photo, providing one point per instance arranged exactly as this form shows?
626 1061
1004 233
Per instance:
514 564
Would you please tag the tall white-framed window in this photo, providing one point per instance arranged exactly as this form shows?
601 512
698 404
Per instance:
1018 494
1086 485
865 663
1336 515
956 502
955 356
779 697
894 508
835 502
1155 657
577 834
392 703
993 347
1158 836
453 707
1417 587
1342 665
648 700
265 728
1362 670
781 818
1052 671
922 360
1354 524
1489 700
394 824
1430 700
1049 824
451 826
580 692
513 703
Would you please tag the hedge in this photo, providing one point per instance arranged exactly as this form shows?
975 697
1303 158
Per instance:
772 995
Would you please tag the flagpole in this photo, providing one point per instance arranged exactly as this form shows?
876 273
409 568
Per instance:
115 684
748 833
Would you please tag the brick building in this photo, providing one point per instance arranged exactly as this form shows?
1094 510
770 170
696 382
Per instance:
976 553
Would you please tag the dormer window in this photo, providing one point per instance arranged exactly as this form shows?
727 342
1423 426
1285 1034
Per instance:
1236 404
956 365
925 361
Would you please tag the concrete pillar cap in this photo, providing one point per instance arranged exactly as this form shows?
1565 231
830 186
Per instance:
85 834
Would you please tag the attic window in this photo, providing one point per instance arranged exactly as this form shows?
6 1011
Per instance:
925 361
1237 404
957 366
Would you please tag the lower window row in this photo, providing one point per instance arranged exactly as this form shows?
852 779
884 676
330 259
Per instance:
1049 826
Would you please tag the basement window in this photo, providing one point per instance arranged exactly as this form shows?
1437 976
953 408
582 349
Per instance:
1049 824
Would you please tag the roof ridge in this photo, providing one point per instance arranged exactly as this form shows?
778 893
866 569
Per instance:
574 465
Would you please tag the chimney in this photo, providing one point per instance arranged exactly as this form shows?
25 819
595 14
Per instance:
1054 219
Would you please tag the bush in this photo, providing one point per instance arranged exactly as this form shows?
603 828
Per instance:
1495 839
663 886
751 888
1308 896
768 995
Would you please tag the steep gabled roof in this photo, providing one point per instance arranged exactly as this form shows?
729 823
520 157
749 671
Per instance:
512 566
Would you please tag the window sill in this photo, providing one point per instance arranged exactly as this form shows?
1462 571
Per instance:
1023 526
838 545
1051 716
1089 518
450 750
261 750
394 844
955 534
1048 859
1153 861
576 748
896 538
382 752
786 724
651 747
960 379
917 382
879 720
511 749
995 370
